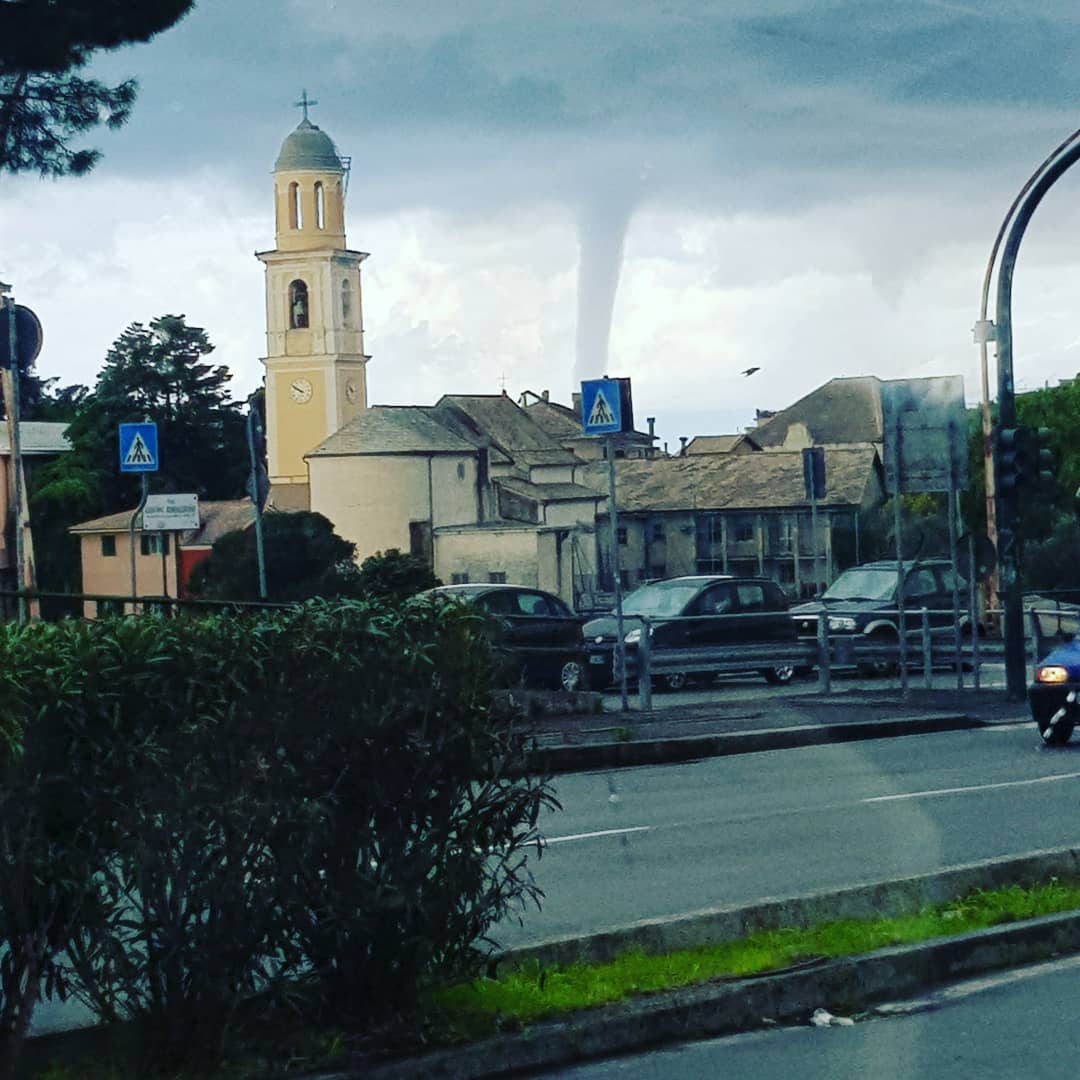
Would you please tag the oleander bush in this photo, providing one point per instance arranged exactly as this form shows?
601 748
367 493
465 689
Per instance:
198 811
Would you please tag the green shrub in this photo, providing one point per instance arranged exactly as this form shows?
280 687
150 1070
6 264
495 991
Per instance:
203 809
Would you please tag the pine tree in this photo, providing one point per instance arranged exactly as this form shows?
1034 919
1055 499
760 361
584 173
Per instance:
43 105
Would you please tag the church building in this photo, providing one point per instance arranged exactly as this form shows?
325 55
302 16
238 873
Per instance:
473 484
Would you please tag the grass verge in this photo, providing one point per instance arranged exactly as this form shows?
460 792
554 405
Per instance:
531 992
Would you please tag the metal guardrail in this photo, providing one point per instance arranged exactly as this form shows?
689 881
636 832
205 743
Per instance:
927 647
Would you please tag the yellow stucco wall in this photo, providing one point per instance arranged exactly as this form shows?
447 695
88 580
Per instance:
575 513
372 499
298 426
481 552
111 575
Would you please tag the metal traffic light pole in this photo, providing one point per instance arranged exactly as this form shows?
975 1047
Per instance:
1007 501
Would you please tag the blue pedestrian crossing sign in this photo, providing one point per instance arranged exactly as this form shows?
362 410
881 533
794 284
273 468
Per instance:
138 448
601 406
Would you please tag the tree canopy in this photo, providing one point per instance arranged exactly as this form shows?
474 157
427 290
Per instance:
305 558
157 372
43 105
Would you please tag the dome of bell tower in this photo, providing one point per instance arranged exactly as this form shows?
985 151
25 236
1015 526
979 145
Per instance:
308 147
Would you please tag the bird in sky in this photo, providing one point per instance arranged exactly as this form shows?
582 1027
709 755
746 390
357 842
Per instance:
750 370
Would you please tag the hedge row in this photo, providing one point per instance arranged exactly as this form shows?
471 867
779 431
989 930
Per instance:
193 812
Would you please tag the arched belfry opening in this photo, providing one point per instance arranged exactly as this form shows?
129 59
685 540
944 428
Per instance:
296 209
299 317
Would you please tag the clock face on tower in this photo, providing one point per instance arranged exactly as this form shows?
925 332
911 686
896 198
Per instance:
300 389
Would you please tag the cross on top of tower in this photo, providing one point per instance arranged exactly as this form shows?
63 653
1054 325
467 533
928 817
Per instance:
305 102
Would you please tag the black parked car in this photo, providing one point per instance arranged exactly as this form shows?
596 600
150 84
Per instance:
862 602
540 633
706 612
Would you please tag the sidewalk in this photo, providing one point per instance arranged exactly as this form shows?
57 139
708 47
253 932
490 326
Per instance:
749 720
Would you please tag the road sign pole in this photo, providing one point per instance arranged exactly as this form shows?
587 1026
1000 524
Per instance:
16 451
620 644
256 499
131 541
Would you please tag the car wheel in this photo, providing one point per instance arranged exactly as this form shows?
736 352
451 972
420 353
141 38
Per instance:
881 639
780 675
677 680
1055 734
573 676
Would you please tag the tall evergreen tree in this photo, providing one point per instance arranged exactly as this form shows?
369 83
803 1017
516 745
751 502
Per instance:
159 372
43 105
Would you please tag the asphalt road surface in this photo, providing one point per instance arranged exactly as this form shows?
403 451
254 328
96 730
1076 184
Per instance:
665 840
1014 1025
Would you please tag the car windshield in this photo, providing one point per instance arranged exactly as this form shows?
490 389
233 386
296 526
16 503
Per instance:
863 584
659 598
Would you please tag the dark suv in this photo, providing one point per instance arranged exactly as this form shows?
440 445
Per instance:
706 612
862 601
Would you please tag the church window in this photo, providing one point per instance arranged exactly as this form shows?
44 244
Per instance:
296 214
298 305
346 302
320 206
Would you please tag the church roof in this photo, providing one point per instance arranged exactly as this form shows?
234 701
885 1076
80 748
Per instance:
846 410
392 429
308 147
772 479
502 420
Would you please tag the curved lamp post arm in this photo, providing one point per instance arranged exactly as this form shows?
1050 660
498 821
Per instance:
1007 501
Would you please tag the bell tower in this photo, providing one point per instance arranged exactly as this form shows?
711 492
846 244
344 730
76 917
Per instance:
316 378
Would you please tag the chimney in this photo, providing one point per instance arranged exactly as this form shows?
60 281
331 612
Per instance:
545 395
682 451
575 400
666 454
651 421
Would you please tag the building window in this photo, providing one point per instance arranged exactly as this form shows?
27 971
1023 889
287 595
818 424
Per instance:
497 577
108 546
742 529
320 206
298 305
107 608
624 579
461 470
658 572
153 544
296 215
420 540
621 534
658 532
459 579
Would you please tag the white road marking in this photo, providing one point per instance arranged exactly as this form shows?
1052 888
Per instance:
974 787
592 835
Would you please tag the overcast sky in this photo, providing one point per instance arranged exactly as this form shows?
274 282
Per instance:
553 190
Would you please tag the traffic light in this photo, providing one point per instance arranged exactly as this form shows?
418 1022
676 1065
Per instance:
1015 459
1045 460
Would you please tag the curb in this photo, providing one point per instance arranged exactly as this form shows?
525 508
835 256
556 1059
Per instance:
842 986
615 755
724 1007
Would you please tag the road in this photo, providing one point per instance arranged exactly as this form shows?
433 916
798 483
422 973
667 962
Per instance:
664 840
1013 1025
